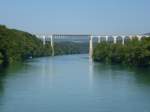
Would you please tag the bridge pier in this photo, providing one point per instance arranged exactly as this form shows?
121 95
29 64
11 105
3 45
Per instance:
139 37
123 40
44 40
130 37
106 38
52 45
91 47
99 39
115 39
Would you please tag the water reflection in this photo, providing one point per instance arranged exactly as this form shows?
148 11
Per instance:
73 84
2 76
114 72
90 72
142 76
10 70
47 72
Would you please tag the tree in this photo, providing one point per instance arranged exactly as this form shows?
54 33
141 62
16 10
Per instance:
134 52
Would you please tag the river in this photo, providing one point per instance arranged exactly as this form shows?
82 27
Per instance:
73 83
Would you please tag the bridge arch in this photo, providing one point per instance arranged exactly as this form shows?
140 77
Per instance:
119 39
110 39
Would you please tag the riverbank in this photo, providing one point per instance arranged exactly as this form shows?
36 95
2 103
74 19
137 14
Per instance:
133 52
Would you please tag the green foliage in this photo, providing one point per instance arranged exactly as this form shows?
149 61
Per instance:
1 58
70 48
17 45
133 52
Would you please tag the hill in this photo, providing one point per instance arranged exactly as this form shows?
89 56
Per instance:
16 45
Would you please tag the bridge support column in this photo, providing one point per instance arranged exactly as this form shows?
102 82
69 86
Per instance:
123 40
106 38
99 39
115 39
139 37
44 40
52 46
91 47
130 37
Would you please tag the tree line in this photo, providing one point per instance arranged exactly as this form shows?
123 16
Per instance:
70 48
133 52
16 45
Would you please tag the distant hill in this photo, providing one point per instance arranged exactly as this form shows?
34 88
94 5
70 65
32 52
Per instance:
147 34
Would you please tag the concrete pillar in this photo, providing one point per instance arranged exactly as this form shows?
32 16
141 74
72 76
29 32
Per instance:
44 40
139 37
52 45
91 47
115 39
130 37
99 39
106 38
123 39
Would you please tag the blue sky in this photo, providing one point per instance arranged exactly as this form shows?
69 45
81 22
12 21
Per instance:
77 16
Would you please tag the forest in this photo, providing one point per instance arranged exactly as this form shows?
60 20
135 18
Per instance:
134 52
17 45
71 48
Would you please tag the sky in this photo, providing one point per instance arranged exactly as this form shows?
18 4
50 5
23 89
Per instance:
102 17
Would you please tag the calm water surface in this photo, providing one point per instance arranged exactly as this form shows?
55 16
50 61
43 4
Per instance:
73 84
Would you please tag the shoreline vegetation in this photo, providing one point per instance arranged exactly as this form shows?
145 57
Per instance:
132 53
16 45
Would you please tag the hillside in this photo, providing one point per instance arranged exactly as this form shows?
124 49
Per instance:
16 45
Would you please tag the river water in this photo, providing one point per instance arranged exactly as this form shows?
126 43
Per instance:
73 83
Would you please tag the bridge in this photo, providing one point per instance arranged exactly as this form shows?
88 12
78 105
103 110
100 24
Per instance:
78 38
